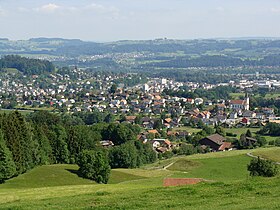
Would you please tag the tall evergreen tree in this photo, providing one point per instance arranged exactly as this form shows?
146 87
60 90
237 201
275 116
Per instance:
59 145
7 165
43 150
18 138
25 140
248 133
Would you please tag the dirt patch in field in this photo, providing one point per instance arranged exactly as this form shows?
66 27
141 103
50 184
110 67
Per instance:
180 181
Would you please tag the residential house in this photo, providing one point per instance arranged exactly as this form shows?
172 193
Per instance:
130 119
249 114
106 143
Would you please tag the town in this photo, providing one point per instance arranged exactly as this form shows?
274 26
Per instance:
165 109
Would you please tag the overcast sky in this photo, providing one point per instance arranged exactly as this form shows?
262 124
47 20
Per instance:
108 20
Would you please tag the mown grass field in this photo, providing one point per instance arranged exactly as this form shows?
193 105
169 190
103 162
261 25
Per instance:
271 154
236 96
188 129
60 187
23 112
237 131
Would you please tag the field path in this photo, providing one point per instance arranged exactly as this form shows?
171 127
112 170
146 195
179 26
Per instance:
166 167
253 156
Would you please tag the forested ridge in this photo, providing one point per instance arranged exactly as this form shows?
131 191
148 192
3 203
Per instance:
215 61
26 65
46 138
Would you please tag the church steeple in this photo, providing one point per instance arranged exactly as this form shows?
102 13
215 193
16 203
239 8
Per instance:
247 102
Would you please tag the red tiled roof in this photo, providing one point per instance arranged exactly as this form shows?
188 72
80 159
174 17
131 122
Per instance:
167 142
241 102
168 120
153 131
130 117
225 145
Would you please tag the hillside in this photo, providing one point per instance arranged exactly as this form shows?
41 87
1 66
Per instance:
230 186
25 65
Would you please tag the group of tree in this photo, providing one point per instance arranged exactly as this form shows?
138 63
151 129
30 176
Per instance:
48 138
26 65
271 129
214 61
248 141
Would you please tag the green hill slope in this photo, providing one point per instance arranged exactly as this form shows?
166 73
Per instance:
59 187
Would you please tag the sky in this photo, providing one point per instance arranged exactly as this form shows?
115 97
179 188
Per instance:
111 20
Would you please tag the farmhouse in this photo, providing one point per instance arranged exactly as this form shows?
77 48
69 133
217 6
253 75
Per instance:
216 142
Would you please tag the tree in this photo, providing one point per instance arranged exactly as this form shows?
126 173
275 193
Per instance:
220 131
43 149
261 167
109 118
121 134
7 165
158 124
59 145
18 137
124 156
248 133
261 140
242 143
113 88
277 142
146 154
208 130
200 124
186 149
94 165
81 138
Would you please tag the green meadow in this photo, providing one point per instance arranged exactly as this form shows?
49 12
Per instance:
271 154
227 186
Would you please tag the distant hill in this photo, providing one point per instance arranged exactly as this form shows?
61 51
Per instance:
158 53
43 39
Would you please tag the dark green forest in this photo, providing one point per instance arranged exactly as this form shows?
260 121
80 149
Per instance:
26 65
47 138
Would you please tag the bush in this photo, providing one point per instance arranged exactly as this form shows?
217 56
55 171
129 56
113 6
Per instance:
277 142
260 167
231 134
272 142
261 140
94 165
186 149
167 155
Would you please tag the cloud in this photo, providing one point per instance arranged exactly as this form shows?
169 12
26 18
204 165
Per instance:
275 10
48 8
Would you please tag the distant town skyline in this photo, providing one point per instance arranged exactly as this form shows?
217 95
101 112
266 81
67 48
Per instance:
108 20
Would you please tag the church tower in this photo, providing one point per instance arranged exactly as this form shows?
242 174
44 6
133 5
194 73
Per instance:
247 102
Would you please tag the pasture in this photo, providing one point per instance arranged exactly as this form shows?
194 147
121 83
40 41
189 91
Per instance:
228 186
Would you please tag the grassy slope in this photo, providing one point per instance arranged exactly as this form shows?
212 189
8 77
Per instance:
226 169
237 131
237 191
272 154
